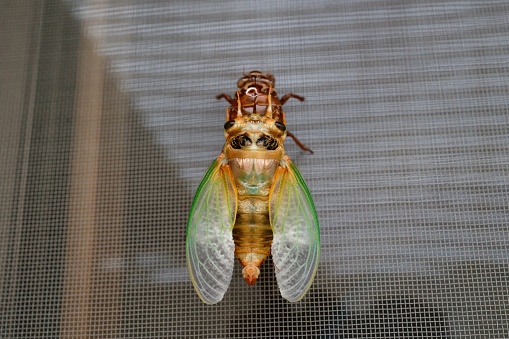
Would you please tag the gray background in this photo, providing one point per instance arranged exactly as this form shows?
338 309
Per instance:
406 110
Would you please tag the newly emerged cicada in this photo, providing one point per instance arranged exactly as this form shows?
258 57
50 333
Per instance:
253 201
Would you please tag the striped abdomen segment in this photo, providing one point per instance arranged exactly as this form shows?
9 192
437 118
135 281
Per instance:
253 237
252 232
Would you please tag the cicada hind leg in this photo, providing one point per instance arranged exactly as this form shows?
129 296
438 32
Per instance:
284 99
299 143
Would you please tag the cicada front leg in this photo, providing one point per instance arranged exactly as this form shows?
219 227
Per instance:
226 97
287 96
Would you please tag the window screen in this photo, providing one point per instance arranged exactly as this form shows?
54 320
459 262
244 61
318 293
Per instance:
108 121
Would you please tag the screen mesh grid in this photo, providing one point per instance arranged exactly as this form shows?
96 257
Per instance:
109 120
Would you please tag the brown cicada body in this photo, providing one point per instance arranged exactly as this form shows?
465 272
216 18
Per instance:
253 201
256 94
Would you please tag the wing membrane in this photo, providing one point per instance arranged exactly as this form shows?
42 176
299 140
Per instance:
296 243
209 241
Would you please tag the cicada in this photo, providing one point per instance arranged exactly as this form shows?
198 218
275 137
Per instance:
253 201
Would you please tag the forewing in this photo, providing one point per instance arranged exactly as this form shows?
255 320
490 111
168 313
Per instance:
296 243
209 241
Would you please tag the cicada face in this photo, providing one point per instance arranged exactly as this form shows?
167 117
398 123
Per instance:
253 202
255 133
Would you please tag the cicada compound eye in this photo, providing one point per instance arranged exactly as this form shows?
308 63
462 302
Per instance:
229 124
280 125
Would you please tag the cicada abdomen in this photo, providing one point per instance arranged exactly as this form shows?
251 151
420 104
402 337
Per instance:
253 201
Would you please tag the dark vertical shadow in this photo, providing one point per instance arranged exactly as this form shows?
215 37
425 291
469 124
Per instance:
33 289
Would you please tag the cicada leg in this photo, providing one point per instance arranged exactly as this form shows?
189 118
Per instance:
227 97
284 99
299 143
287 96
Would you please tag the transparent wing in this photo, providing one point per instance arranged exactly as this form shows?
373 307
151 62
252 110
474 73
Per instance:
296 243
209 241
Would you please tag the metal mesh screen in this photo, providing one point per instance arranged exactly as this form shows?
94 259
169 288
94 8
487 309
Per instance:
108 121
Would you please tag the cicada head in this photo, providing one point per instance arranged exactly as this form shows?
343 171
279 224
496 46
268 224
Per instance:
254 132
